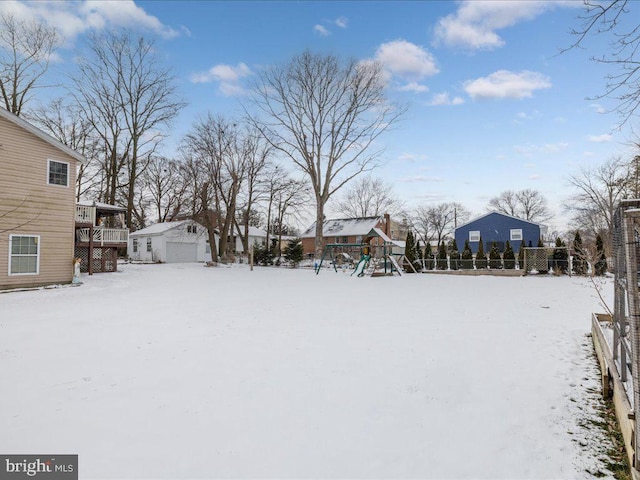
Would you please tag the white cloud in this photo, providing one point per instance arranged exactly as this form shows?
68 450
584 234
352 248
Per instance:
598 108
406 60
341 22
413 87
506 84
320 30
74 18
475 23
531 149
444 99
420 178
604 138
535 176
228 76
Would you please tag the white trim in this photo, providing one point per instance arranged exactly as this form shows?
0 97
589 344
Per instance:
49 173
515 235
37 272
476 234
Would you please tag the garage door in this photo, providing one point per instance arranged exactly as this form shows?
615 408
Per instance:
182 252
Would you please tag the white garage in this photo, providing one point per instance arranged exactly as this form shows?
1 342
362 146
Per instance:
171 242
182 252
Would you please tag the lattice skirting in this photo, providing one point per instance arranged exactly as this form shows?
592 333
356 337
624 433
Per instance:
104 259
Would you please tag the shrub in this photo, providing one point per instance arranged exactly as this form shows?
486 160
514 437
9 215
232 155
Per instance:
293 252
467 257
579 258
454 256
428 257
441 257
509 257
495 261
560 258
481 257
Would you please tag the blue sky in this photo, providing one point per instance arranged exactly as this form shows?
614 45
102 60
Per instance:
491 104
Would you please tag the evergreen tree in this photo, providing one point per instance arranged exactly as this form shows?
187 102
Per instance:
560 257
454 256
601 258
419 255
428 257
495 261
467 257
441 257
540 242
579 257
521 255
262 254
481 257
410 252
509 257
294 252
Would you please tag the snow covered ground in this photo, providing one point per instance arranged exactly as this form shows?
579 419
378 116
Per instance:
182 371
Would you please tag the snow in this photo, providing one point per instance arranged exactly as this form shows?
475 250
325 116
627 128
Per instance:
346 227
158 228
183 371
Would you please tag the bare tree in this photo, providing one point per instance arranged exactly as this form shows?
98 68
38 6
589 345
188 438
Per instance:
65 122
609 19
165 187
221 153
128 97
526 204
257 153
25 52
325 116
368 197
598 192
438 221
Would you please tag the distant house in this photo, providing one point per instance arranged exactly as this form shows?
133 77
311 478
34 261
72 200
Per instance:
498 227
170 242
37 205
344 230
257 236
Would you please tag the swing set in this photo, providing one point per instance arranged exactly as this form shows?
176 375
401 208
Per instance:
375 251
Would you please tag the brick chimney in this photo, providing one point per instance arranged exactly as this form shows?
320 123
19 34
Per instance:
387 225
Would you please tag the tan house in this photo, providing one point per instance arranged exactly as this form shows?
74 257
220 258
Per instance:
37 205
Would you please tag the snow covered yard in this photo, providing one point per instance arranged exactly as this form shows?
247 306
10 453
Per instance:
181 371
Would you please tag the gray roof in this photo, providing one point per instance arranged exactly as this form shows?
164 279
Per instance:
7 115
343 227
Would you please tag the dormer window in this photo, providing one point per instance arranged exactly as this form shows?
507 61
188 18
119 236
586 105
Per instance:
58 173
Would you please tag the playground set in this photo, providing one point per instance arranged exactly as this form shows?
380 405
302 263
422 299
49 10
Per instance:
375 252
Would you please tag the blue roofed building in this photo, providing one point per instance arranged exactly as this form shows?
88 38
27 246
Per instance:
498 227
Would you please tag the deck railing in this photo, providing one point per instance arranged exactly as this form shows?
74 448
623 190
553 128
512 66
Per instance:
103 235
86 214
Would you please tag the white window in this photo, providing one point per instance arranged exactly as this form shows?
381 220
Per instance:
58 173
135 245
191 229
148 244
474 235
515 234
24 254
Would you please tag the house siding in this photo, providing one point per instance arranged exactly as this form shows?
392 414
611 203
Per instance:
497 227
30 206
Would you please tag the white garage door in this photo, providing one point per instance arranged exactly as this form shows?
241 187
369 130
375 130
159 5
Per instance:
182 252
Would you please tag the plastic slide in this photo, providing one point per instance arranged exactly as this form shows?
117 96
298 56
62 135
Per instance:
359 271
